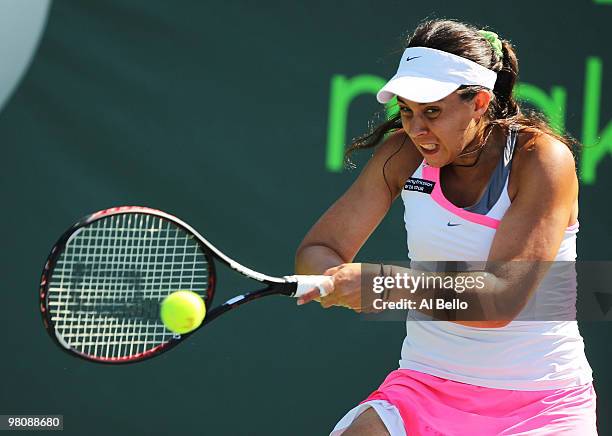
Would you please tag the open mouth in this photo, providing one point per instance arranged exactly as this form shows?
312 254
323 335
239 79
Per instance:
429 148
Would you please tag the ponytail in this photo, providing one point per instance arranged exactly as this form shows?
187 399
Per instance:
506 106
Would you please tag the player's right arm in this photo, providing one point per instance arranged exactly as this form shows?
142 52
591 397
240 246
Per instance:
343 229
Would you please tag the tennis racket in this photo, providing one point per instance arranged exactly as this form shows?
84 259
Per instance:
106 276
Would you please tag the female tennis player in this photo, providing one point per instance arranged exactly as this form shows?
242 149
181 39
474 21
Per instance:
480 181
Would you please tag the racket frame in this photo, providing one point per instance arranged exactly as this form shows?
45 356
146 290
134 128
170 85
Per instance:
274 285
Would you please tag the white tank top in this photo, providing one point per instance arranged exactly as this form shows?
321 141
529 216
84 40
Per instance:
524 355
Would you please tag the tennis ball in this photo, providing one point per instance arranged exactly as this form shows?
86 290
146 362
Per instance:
182 311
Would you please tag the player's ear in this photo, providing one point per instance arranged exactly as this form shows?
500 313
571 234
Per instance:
480 103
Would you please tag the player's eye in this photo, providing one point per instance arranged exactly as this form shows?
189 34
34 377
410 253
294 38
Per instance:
432 112
405 110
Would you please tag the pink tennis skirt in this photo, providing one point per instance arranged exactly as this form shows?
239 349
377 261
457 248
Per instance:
431 405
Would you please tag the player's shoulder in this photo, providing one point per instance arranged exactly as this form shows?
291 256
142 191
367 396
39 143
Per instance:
394 141
542 158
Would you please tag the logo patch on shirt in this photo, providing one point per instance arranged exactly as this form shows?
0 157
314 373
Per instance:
419 185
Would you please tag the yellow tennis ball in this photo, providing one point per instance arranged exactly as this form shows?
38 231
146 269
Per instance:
182 311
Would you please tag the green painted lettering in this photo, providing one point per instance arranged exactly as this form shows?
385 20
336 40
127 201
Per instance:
343 91
552 106
595 145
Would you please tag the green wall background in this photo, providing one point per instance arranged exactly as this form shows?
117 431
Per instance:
217 112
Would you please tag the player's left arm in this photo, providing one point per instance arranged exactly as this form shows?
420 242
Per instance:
531 231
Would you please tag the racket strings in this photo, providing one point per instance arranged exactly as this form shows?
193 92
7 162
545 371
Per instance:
106 287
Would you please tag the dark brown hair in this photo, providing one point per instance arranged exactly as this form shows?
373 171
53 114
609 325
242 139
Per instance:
464 40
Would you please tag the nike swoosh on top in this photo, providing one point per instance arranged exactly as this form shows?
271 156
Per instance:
453 224
409 58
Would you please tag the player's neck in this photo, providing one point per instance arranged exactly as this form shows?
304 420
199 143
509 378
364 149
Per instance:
481 157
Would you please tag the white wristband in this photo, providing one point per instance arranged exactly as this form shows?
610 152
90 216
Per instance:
325 284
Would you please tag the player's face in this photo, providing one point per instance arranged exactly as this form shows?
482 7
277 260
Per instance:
443 129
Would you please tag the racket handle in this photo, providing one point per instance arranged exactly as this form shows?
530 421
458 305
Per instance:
307 283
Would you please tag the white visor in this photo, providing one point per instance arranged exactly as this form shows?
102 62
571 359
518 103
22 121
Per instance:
426 74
